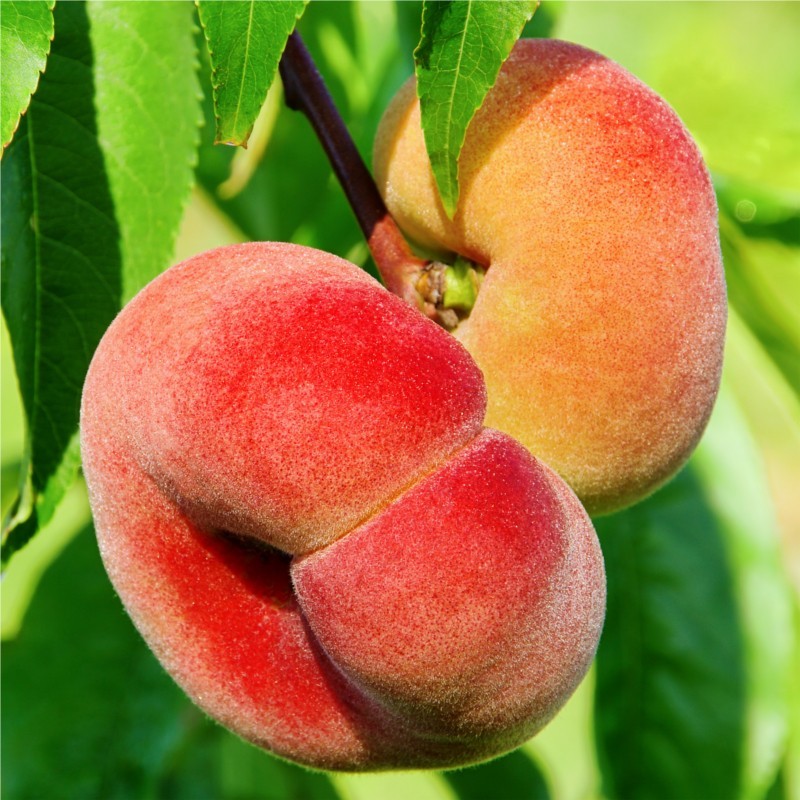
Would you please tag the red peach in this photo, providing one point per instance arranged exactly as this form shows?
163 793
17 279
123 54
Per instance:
297 503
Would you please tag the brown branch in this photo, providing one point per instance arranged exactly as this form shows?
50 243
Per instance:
305 91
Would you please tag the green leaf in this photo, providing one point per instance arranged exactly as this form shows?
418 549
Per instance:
693 668
148 101
514 775
464 43
61 278
360 65
93 189
88 712
26 30
731 472
292 195
245 40
670 694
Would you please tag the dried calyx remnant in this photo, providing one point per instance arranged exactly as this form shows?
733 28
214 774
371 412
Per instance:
448 291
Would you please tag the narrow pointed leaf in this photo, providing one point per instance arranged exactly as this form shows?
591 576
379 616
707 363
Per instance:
245 41
464 43
26 30
149 114
93 188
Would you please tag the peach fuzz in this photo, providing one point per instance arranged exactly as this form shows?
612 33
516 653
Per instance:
298 504
600 322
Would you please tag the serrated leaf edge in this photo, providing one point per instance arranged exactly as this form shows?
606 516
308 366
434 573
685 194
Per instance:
51 4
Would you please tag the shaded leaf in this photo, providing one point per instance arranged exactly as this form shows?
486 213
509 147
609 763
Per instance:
515 775
464 43
93 187
119 718
26 30
61 277
694 664
245 40
670 694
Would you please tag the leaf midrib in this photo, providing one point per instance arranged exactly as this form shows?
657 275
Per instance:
450 104
244 68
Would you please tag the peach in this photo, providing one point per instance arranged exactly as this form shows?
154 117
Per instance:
600 320
300 508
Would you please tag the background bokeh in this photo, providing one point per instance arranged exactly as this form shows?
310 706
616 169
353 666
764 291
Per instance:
706 573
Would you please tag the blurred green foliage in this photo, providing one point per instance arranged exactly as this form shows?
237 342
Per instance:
697 682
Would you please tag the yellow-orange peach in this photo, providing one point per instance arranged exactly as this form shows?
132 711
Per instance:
599 324
297 502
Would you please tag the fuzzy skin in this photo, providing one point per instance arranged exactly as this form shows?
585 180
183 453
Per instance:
298 505
600 323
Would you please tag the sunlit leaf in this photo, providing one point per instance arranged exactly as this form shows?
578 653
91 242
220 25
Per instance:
26 30
148 101
731 472
94 187
772 410
245 40
464 43
763 274
292 195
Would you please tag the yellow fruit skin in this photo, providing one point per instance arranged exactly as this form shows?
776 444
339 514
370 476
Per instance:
600 323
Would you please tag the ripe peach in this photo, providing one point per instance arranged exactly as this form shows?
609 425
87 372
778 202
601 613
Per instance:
599 323
296 501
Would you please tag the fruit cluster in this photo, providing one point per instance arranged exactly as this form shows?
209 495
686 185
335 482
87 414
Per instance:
294 492
296 499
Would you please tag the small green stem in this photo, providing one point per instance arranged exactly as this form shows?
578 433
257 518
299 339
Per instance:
462 282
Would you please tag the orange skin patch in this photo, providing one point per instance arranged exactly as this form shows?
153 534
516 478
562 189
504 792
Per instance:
600 322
